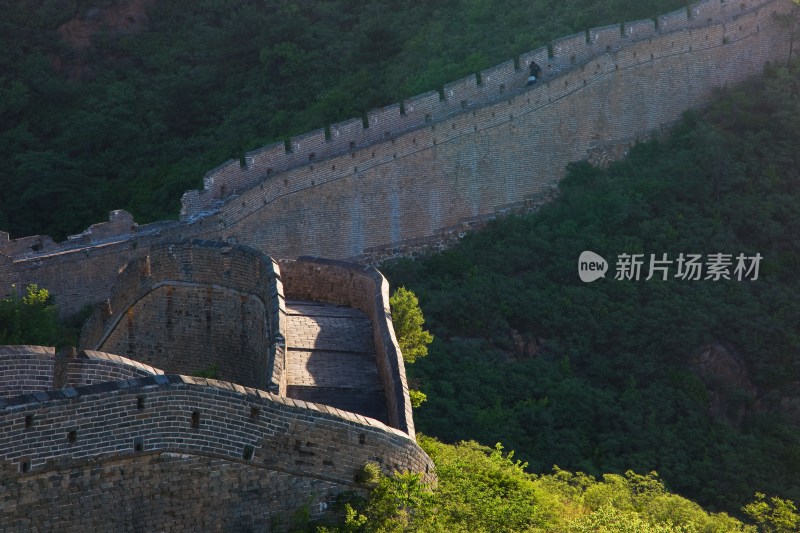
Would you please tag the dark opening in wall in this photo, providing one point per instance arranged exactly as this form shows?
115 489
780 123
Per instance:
140 402
195 419
72 436
138 444
427 117
24 464
28 421
223 191
311 156
572 59
352 145
464 104
247 452
502 88
608 48
362 439
254 412
269 171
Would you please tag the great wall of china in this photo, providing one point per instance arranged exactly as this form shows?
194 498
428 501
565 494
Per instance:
315 389
289 426
433 167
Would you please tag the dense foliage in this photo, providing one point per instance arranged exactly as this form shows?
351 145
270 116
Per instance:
138 117
407 320
30 319
483 490
596 376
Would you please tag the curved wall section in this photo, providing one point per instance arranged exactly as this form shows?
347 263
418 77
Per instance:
65 446
197 306
25 369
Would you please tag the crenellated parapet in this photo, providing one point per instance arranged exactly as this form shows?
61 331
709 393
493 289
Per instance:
69 455
493 84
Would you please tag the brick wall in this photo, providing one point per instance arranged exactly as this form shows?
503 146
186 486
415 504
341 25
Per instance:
25 369
193 306
366 289
159 491
151 441
91 367
489 158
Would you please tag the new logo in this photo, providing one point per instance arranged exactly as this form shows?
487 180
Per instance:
591 266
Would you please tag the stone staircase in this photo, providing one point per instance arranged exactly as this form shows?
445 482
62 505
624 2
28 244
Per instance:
330 357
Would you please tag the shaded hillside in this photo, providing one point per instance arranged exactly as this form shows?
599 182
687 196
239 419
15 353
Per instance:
694 379
127 103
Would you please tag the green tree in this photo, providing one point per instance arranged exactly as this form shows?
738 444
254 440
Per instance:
408 319
774 516
30 319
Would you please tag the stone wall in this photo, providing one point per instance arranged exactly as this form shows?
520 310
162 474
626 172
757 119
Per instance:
490 158
195 306
90 367
25 369
150 492
364 288
181 453
431 167
486 86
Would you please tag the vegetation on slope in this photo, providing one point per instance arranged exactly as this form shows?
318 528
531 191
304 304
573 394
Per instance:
30 319
138 117
596 376
485 490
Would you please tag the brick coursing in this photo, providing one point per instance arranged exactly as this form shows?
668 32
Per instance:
307 452
196 305
25 369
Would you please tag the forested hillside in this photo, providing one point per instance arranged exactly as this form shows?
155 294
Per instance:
109 104
609 376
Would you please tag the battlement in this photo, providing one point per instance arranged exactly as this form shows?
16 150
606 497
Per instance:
123 441
493 84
